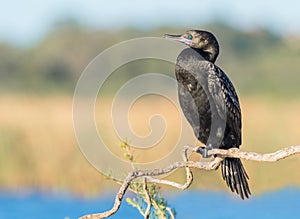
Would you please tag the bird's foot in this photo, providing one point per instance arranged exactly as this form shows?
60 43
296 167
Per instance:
204 151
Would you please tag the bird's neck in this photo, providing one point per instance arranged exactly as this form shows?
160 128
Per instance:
209 56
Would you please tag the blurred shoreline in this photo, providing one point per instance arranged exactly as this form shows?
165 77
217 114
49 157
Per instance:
38 148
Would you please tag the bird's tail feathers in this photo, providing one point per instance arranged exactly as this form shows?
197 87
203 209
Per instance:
236 177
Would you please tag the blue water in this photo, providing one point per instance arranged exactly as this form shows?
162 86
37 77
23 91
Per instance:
283 203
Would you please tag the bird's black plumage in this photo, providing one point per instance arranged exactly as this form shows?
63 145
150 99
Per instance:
210 103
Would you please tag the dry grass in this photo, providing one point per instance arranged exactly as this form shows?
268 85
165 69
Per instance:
38 146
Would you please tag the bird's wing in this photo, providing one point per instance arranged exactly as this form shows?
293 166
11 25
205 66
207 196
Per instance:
187 83
223 94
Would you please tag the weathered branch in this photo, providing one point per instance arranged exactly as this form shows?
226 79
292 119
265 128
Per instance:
270 157
211 165
148 200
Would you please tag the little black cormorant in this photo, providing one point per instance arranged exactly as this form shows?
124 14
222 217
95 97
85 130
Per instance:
210 103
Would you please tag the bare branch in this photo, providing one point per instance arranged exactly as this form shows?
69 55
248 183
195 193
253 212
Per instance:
211 165
270 157
148 200
118 199
189 175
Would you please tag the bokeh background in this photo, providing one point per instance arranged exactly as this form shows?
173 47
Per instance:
45 46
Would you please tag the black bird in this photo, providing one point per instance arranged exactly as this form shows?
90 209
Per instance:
210 103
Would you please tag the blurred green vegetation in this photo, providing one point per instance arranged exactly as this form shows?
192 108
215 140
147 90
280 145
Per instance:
258 61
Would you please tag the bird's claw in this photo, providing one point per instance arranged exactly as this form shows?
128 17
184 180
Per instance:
204 151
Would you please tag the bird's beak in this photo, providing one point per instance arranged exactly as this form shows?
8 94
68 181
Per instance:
179 38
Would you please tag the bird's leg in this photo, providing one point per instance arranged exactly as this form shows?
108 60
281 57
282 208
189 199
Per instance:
204 151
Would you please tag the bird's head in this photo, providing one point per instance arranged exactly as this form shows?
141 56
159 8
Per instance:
202 41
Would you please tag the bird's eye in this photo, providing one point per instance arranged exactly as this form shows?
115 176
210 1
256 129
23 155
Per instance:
190 37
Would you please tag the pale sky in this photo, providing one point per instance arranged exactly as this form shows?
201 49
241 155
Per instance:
25 22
